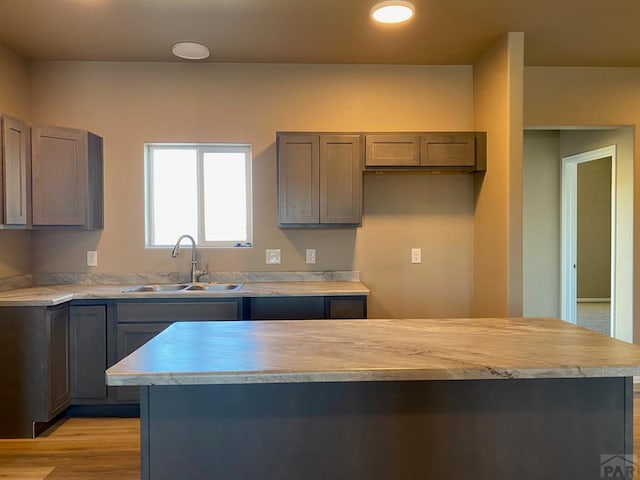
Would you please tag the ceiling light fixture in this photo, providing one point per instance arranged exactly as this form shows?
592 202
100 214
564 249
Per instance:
392 11
190 50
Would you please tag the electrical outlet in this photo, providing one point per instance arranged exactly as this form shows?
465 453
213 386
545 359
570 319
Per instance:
92 258
273 256
311 255
416 255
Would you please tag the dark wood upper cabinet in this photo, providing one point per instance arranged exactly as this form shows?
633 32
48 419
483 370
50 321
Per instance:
448 150
14 171
392 150
319 180
298 179
340 180
455 152
67 178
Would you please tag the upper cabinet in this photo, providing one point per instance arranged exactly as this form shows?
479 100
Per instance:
394 149
319 179
67 178
429 152
14 171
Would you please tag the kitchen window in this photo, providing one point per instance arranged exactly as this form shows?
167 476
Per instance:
203 190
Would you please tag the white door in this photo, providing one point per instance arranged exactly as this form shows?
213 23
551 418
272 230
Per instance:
569 230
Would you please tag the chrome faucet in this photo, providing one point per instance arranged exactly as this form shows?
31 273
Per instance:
195 273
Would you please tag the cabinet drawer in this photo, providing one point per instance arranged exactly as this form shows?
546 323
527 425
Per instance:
346 307
392 150
177 311
287 308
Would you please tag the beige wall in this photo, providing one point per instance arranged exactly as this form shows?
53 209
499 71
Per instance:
594 229
132 103
541 229
498 193
15 246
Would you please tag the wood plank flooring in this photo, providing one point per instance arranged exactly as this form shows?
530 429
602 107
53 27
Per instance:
75 449
104 449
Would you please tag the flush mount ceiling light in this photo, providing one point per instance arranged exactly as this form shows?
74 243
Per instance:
392 11
190 50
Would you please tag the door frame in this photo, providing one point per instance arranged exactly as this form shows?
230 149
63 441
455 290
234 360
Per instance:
569 237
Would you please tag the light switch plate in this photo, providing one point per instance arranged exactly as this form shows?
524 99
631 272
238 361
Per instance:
92 258
273 256
311 255
416 255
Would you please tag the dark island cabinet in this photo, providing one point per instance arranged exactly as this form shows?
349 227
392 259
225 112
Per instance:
34 368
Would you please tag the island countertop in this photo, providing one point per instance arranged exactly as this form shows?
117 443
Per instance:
199 353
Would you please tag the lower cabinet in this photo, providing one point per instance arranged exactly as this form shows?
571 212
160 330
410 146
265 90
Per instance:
88 352
307 308
130 337
58 365
34 368
137 322
54 357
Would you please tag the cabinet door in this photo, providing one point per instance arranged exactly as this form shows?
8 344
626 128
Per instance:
393 150
59 176
130 337
14 171
59 392
298 179
340 179
448 150
88 350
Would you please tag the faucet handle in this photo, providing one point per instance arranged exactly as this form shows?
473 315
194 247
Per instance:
202 273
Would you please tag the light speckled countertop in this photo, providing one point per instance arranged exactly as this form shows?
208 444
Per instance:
56 294
190 353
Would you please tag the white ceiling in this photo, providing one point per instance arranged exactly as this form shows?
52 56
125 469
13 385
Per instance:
557 32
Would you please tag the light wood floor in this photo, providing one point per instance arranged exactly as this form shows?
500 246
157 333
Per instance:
77 448
103 448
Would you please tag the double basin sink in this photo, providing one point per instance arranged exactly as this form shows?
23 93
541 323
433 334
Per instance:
186 287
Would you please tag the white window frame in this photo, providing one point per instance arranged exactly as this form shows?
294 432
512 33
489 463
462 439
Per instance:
201 149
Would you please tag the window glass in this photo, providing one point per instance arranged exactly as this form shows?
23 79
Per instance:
200 190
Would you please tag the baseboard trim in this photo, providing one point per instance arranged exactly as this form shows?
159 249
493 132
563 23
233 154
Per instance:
594 300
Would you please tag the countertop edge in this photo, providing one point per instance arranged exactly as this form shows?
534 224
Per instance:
487 373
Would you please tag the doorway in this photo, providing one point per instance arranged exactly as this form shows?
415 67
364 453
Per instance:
588 235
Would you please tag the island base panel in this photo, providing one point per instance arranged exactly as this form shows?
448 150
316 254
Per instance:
497 429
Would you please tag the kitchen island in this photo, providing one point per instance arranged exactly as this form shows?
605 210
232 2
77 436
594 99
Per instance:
381 399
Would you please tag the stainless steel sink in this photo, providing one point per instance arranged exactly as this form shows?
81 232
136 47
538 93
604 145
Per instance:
165 287
214 287
186 287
